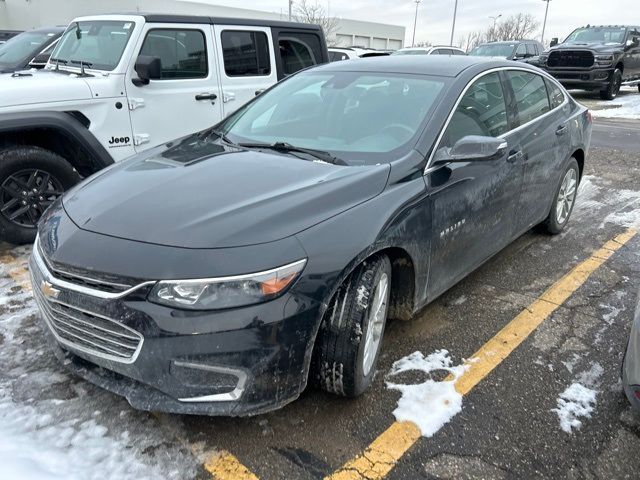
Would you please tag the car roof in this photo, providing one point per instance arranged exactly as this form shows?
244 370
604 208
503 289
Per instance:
444 66
165 18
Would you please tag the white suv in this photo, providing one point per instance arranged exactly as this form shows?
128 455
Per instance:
116 85
434 50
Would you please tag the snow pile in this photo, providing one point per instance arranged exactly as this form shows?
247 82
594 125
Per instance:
430 404
575 402
593 197
628 212
627 106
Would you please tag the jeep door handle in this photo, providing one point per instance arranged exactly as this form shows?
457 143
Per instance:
561 130
515 156
206 96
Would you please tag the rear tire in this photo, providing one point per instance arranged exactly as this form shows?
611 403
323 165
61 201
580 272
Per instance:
31 178
612 90
352 328
564 199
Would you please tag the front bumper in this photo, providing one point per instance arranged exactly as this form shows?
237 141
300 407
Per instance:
234 362
588 79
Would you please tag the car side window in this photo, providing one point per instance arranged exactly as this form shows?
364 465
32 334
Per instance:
556 95
531 49
481 111
521 50
245 53
295 55
182 53
531 94
435 51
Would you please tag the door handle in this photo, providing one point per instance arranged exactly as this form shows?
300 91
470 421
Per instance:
206 96
514 156
561 130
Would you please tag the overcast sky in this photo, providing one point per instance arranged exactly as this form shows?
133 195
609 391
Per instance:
435 16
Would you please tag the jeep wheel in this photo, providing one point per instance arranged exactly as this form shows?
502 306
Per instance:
31 179
612 90
351 332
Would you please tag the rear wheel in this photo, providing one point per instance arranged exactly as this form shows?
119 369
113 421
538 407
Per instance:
564 199
351 333
31 179
612 90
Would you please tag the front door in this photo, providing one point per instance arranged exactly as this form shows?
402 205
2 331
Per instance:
246 62
187 97
473 203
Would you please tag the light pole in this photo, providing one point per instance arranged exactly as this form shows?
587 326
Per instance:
544 24
290 8
495 19
415 22
453 27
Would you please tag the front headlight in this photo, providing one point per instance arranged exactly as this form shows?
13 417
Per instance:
604 59
226 292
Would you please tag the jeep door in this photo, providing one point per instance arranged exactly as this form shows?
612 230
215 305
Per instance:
246 62
187 97
473 203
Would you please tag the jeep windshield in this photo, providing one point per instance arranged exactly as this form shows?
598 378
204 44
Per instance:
357 117
98 44
598 35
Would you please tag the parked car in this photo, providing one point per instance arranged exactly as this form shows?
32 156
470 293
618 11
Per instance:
599 58
219 273
139 81
434 50
631 362
29 49
5 35
519 50
348 53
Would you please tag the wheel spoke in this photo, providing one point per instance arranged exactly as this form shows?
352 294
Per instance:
21 211
32 179
44 182
10 204
14 193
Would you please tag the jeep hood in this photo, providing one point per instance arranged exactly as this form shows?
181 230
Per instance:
214 199
31 87
594 46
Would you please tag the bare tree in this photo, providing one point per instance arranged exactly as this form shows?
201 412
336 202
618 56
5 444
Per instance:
515 27
424 44
308 12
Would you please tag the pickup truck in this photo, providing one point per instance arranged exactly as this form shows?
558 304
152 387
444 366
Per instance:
598 58
116 85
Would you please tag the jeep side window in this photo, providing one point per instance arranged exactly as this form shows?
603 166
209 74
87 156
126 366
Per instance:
182 53
245 53
531 94
521 51
531 50
556 97
295 55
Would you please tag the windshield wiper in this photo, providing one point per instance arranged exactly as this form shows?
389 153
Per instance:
288 148
82 64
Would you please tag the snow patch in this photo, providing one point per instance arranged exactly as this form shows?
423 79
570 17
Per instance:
362 297
460 300
627 106
430 404
575 402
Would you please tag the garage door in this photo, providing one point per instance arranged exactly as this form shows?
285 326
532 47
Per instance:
362 41
395 44
380 43
343 40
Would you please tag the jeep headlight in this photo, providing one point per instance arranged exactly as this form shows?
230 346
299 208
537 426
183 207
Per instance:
226 292
604 60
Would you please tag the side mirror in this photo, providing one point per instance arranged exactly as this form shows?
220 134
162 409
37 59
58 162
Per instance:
473 148
554 42
633 42
40 60
148 68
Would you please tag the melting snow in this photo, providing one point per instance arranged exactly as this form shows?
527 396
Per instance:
627 106
430 404
362 297
575 402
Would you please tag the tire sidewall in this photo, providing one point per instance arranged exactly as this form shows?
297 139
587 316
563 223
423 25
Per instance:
553 220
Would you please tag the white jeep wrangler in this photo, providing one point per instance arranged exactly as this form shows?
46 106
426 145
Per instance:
116 85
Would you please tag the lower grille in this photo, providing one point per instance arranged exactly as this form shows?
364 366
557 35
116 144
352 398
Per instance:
570 59
88 332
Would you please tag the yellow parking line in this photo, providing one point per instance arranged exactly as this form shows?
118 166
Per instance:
224 466
17 270
385 451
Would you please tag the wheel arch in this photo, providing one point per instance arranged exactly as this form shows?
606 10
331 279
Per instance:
64 133
579 155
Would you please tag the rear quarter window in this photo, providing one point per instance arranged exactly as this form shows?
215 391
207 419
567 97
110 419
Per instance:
299 50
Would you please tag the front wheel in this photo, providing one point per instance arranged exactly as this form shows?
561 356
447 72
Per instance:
612 90
31 179
352 328
564 199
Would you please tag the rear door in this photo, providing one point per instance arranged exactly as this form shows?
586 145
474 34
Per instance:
246 62
187 96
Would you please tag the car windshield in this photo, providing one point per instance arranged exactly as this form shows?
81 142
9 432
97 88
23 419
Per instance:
25 45
494 50
598 35
415 51
356 116
97 44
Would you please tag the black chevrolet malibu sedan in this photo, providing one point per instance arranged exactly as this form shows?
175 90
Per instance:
220 273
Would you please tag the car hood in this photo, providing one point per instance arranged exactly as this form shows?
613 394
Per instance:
596 47
223 197
41 86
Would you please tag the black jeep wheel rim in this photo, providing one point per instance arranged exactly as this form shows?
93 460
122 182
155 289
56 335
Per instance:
26 194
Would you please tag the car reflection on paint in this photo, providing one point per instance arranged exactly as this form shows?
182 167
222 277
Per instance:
631 363
220 273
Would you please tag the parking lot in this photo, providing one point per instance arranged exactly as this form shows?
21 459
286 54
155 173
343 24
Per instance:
565 304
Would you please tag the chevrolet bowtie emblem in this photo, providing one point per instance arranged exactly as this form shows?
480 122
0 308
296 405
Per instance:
48 290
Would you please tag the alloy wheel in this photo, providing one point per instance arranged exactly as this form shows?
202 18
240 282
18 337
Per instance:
376 321
566 196
26 194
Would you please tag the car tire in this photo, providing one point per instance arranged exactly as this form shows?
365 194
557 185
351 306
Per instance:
564 199
612 90
352 328
20 166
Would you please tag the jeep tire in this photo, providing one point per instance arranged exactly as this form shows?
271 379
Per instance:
31 179
612 90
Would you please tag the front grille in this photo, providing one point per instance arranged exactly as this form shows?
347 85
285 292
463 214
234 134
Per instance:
570 59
